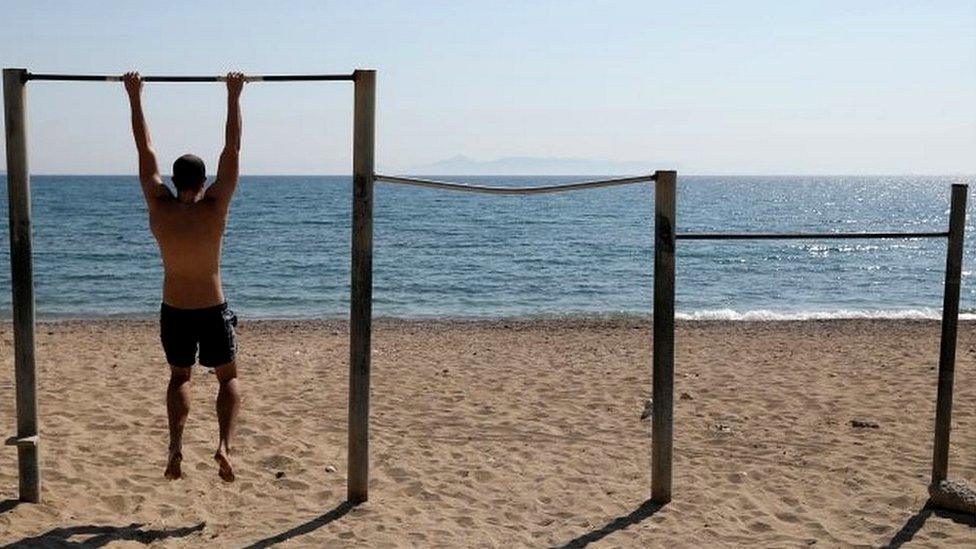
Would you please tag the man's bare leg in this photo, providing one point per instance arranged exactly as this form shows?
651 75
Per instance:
177 409
228 403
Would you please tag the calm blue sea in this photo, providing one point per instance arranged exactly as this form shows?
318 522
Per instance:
440 254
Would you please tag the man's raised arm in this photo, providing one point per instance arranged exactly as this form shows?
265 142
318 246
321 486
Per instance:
152 183
228 168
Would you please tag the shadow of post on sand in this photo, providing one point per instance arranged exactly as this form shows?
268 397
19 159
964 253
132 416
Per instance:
643 511
917 521
335 514
8 504
98 536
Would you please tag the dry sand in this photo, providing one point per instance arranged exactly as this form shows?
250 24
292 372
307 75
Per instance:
502 434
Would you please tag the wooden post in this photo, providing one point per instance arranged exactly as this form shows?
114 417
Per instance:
950 322
361 298
22 283
662 423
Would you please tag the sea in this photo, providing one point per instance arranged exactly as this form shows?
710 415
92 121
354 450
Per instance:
440 254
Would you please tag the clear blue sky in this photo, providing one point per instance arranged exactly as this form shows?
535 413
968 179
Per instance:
859 87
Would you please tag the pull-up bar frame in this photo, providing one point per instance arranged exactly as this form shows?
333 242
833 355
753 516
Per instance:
360 309
664 280
27 439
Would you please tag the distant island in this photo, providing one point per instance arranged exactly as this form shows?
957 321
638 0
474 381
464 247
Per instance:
533 165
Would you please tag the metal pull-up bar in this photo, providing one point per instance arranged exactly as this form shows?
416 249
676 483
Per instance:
247 78
806 236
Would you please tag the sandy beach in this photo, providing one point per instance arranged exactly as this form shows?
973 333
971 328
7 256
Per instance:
501 434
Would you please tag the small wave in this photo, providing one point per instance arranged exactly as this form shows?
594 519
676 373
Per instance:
763 314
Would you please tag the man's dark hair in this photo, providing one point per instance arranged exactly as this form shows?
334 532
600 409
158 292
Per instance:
189 173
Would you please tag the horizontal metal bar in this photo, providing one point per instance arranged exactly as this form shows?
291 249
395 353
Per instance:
802 236
258 78
451 186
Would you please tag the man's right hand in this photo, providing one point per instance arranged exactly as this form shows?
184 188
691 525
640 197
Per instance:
133 83
235 83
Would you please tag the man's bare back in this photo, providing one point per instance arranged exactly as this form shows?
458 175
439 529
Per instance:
189 238
189 228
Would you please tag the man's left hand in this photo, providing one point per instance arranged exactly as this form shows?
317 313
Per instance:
235 83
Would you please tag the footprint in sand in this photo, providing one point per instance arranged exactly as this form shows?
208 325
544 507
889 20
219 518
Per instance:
277 462
290 484
121 504
142 412
787 517
399 474
466 522
483 476
759 526
414 488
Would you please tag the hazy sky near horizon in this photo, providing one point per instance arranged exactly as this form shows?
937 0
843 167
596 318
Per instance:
748 87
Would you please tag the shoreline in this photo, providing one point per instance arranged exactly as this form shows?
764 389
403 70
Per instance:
748 317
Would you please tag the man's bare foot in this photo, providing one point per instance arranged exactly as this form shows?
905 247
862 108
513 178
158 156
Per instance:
225 470
173 468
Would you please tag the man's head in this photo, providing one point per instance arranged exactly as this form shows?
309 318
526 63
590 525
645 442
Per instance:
189 174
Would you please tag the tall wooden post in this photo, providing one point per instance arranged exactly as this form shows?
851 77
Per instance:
662 423
361 298
22 283
950 322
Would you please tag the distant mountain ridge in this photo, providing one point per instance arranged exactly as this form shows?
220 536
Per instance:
532 165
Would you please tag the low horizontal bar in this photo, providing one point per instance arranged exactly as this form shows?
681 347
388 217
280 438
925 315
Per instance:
451 186
262 78
802 236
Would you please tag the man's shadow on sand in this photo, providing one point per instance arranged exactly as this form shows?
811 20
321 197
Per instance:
98 536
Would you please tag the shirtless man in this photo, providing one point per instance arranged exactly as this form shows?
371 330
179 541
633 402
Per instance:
189 227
